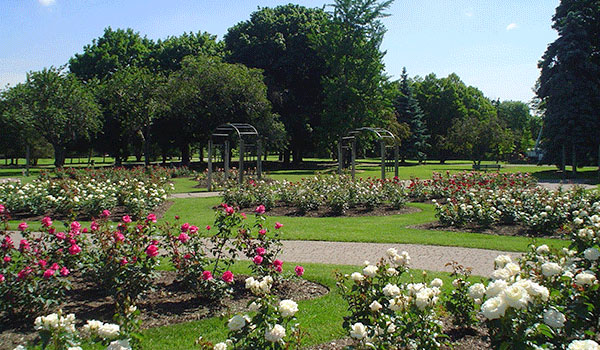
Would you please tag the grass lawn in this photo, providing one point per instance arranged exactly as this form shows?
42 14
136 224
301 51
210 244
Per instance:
321 317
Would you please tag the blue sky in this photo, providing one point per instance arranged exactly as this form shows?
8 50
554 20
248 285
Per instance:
491 44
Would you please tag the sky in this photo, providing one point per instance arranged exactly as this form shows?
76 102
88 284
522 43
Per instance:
493 45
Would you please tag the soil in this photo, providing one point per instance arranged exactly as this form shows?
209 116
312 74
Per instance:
502 230
115 214
382 210
168 304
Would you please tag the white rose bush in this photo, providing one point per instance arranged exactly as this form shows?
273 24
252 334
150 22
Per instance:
388 314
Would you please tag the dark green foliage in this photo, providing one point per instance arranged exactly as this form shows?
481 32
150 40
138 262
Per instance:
569 85
409 112
277 40
168 54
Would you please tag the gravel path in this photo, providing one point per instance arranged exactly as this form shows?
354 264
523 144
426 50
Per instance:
195 195
423 257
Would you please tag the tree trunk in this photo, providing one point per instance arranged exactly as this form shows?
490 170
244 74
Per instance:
59 156
574 160
147 146
286 156
185 154
297 155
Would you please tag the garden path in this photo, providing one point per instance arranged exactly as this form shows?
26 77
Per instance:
195 195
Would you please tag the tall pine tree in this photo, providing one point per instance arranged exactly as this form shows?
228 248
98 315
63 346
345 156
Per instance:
409 112
569 86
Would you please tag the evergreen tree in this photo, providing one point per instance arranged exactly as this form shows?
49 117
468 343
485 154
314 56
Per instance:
569 86
409 112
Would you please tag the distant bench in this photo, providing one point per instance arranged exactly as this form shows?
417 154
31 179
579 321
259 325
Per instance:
486 167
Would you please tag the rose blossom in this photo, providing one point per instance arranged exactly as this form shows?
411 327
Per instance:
207 227
64 271
288 308
299 270
358 331
2 208
183 237
48 273
152 250
74 249
587 344
126 219
105 213
193 229
258 260
278 225
236 323
23 226
151 217
275 334
119 237
185 227
46 221
262 231
207 275
227 276
261 251
75 226
55 266
2 278
7 258
61 235
260 209
24 245
229 210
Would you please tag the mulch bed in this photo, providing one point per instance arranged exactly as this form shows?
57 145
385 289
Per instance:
168 304
501 230
382 210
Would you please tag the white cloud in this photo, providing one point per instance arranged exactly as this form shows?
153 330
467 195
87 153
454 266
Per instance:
46 2
511 26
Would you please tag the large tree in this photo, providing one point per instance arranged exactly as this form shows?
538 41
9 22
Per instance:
207 92
167 55
524 127
115 50
355 86
569 84
409 112
277 40
59 108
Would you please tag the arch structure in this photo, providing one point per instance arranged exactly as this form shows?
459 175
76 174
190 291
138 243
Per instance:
249 146
382 135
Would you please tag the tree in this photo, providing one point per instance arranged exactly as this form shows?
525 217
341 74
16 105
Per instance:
115 50
355 85
569 84
60 108
409 112
131 101
278 41
479 139
516 116
167 55
206 93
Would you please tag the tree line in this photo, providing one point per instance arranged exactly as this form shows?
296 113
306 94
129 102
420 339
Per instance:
303 76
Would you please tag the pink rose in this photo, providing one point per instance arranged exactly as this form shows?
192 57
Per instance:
2 209
7 243
55 266
74 249
262 231
75 226
24 245
126 219
183 237
123 261
61 235
227 276
193 229
207 276
42 263
48 273
105 213
187 256
299 270
119 237
94 226
260 209
7 258
261 251
23 226
277 263
152 251
207 227
185 227
258 260
151 217
2 279
46 221
64 271
229 210
85 230
24 273
51 230
278 268
278 225
243 215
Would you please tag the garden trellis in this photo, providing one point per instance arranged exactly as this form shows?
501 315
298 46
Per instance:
387 141
249 149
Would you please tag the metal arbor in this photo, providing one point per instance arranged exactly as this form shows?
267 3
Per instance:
349 142
248 140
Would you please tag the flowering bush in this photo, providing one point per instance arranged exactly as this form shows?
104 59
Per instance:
388 314
123 260
87 192
34 273
458 302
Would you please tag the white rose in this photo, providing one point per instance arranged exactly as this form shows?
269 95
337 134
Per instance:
275 334
357 277
516 296
542 249
122 344
587 344
437 283
551 269
391 290
424 298
288 308
501 274
109 331
584 279
391 252
592 254
236 323
493 308
221 346
554 318
370 270
358 331
495 288
253 307
501 261
392 271
513 268
477 291
578 221
375 306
